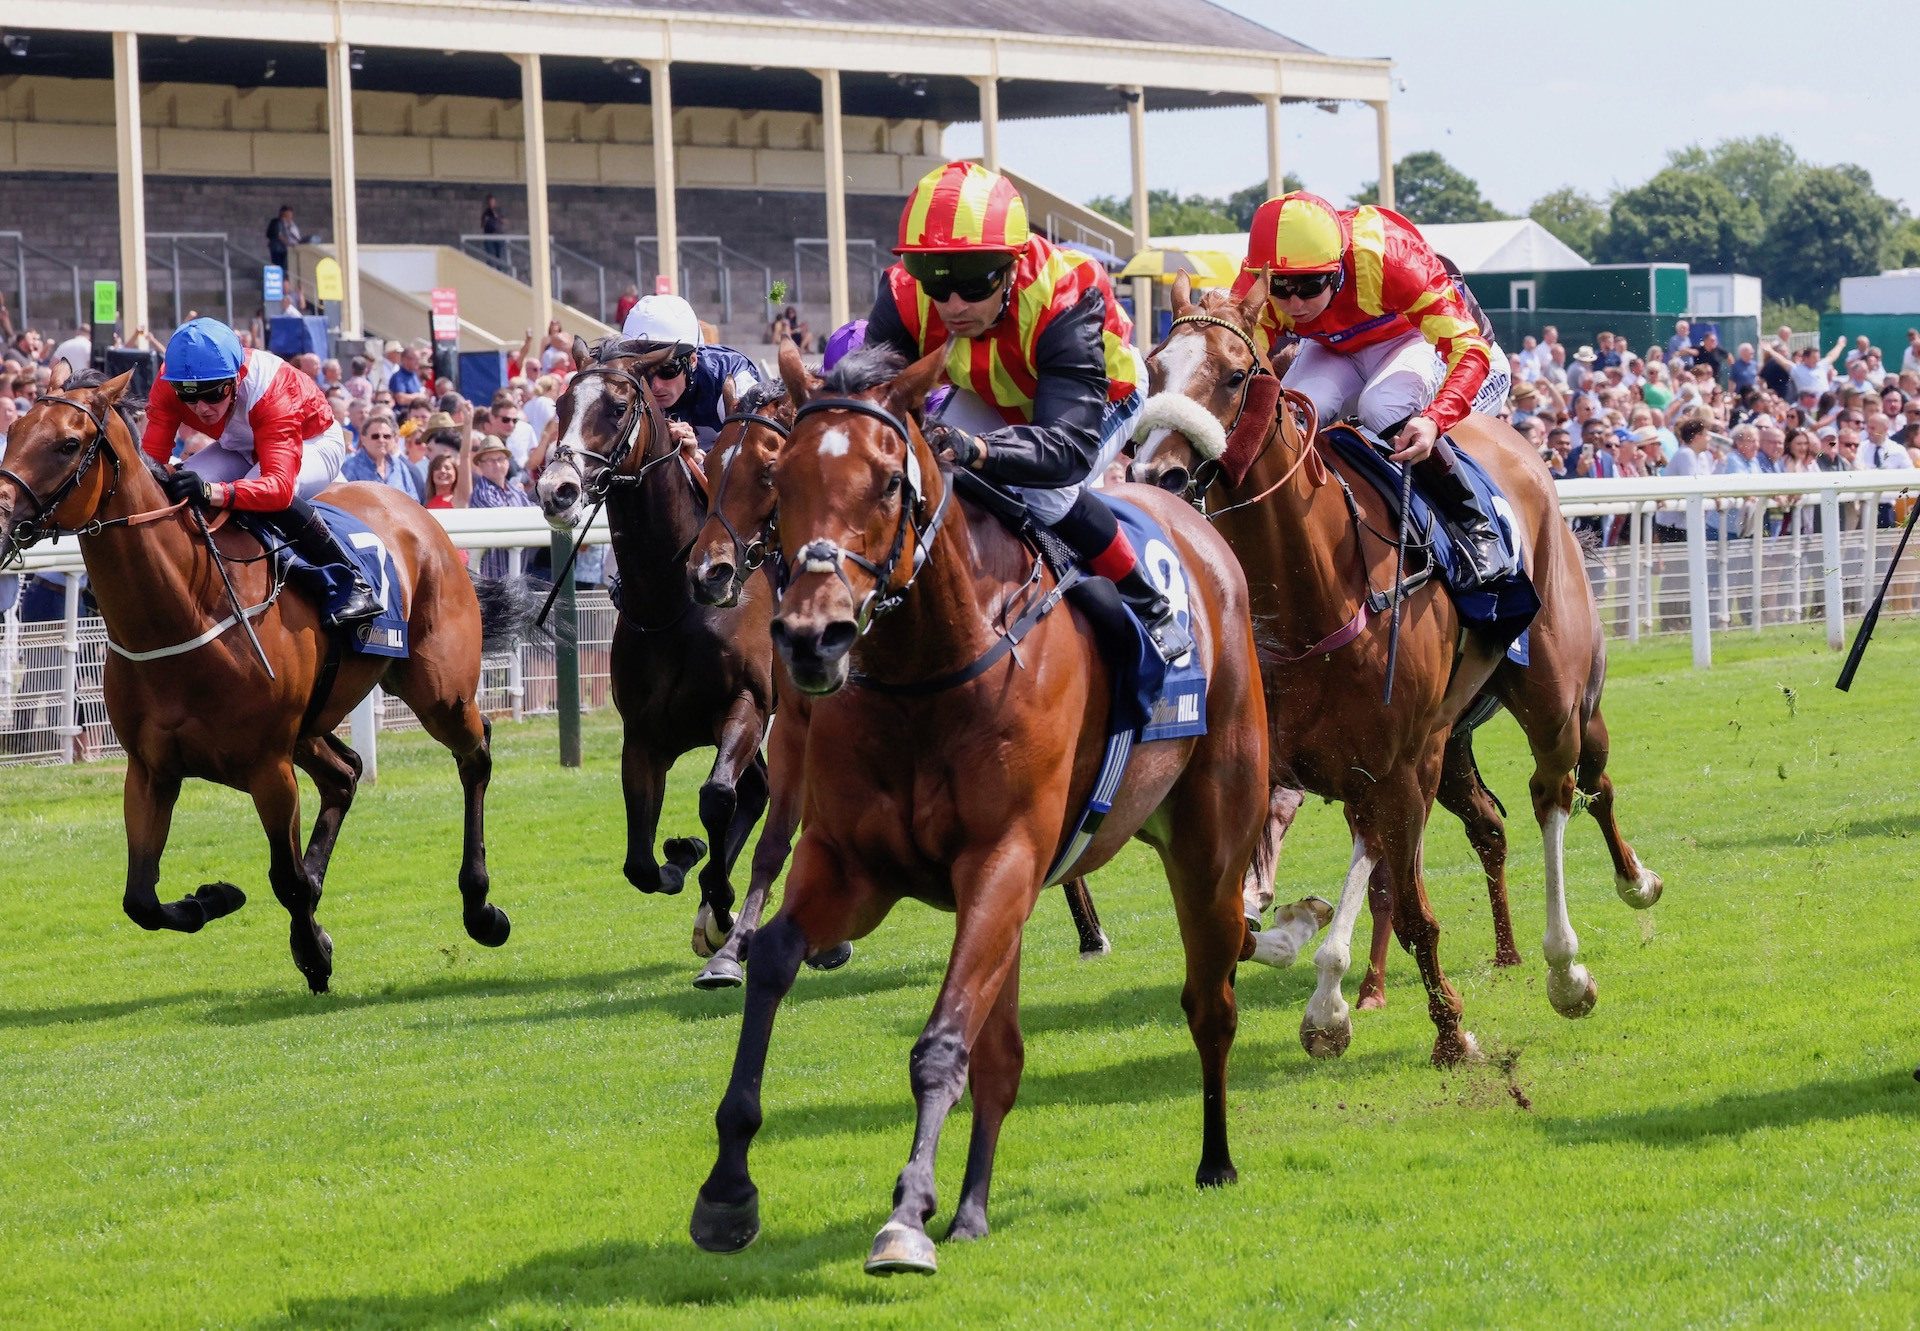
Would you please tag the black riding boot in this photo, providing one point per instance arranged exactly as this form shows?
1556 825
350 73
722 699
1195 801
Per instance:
1094 533
1459 508
310 538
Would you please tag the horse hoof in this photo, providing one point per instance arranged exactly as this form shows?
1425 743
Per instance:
219 899
1216 1176
701 947
1371 1000
683 852
1319 908
966 1227
1100 949
1463 1048
489 927
1640 892
832 959
899 1249
725 1226
1572 992
1506 955
720 973
1328 1041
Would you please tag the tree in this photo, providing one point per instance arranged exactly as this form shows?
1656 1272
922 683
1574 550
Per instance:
1575 218
1428 188
1681 216
1762 169
1170 215
1243 203
1830 225
1902 247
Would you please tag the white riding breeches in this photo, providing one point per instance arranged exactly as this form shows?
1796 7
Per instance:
1050 504
1385 383
321 458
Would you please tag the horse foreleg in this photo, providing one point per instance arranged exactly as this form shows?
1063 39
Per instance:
1465 795
1373 985
1569 987
1637 885
148 800
335 770
1086 920
1395 820
998 1057
486 923
276 799
643 782
731 801
1327 1028
995 893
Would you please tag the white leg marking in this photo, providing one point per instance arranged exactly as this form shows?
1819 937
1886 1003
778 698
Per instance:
1640 892
1569 987
1326 1029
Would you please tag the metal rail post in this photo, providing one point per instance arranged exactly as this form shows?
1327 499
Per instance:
566 653
516 659
1633 572
1830 556
1756 542
366 732
1700 607
69 727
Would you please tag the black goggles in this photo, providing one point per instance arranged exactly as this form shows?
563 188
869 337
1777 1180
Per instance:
670 369
203 390
1305 287
942 278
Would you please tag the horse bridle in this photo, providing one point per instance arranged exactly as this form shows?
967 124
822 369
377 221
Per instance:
1210 468
42 524
750 555
611 461
823 556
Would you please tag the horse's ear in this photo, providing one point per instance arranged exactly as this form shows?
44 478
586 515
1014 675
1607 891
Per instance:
113 389
1254 302
908 393
729 397
1182 295
793 374
580 355
62 369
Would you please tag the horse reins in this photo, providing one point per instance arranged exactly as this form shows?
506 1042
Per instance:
751 555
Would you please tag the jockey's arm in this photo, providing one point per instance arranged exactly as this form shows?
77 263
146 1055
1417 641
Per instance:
1069 402
277 446
163 423
1417 284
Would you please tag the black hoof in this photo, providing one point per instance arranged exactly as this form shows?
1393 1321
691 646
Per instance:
832 959
1216 1176
721 973
725 1226
219 899
683 852
489 927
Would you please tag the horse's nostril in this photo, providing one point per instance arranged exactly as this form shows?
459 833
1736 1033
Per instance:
566 495
1173 479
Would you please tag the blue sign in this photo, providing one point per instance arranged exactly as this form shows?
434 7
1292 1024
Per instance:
273 284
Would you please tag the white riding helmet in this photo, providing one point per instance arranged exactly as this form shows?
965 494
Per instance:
664 319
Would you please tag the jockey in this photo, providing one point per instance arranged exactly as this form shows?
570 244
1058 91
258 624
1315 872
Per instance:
1387 334
275 444
1046 380
689 388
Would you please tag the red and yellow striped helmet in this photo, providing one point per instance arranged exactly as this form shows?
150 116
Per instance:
1295 233
963 206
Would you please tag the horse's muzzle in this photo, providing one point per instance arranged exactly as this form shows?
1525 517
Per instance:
714 582
816 656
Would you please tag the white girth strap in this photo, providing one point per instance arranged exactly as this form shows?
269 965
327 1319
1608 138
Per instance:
181 649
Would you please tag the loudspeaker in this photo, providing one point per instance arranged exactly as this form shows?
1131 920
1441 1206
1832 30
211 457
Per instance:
144 364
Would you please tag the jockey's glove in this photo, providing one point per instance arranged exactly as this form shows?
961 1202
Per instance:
187 487
966 450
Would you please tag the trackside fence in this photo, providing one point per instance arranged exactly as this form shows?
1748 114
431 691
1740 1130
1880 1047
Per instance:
1719 554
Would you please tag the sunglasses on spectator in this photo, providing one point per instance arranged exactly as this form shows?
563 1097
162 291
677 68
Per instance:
378 434
209 390
1306 287
665 370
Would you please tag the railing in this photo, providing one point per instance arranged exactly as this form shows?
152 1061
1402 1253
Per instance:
722 262
207 247
21 252
1719 570
862 252
512 254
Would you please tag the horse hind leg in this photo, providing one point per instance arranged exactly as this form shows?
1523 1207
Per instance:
1373 985
1327 1028
1419 931
643 784
335 770
148 806
1086 920
1637 885
276 798
1570 988
731 801
468 735
1464 794
993 1080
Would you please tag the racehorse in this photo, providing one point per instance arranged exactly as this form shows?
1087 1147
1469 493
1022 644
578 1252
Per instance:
728 550
943 765
189 697
685 675
1308 564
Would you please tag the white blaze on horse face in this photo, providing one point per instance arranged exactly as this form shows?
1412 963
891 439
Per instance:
1180 360
835 443
586 392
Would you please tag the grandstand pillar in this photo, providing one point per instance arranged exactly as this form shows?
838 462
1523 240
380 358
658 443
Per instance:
131 166
1142 222
989 121
533 131
1385 198
346 208
666 215
1276 175
834 142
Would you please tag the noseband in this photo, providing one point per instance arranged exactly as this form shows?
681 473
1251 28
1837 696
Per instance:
823 556
42 524
611 461
749 554
1241 430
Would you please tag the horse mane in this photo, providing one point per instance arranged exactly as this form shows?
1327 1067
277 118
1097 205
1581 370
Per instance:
761 396
128 407
864 369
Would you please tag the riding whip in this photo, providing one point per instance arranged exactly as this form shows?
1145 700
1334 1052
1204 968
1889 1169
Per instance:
547 607
1872 616
220 565
1399 571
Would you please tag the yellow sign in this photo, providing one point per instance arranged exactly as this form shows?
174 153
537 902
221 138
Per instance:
326 280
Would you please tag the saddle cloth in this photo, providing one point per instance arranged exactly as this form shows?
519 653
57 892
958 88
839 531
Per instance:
1501 608
1154 698
386 633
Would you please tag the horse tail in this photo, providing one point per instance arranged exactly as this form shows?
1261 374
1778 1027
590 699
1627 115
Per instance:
510 612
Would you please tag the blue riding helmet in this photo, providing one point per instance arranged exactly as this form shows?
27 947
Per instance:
202 350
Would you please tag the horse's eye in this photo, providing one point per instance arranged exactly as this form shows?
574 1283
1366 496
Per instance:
71 444
894 482
1235 379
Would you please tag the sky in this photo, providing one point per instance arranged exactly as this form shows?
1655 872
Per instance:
1526 98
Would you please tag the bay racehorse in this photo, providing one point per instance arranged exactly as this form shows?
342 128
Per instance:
684 675
728 553
943 766
1312 557
185 690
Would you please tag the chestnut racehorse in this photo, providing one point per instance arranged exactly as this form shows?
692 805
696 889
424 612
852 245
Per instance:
1309 567
185 690
943 766
727 553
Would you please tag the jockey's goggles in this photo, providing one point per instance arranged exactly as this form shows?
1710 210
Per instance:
971 277
203 390
1306 286
669 369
